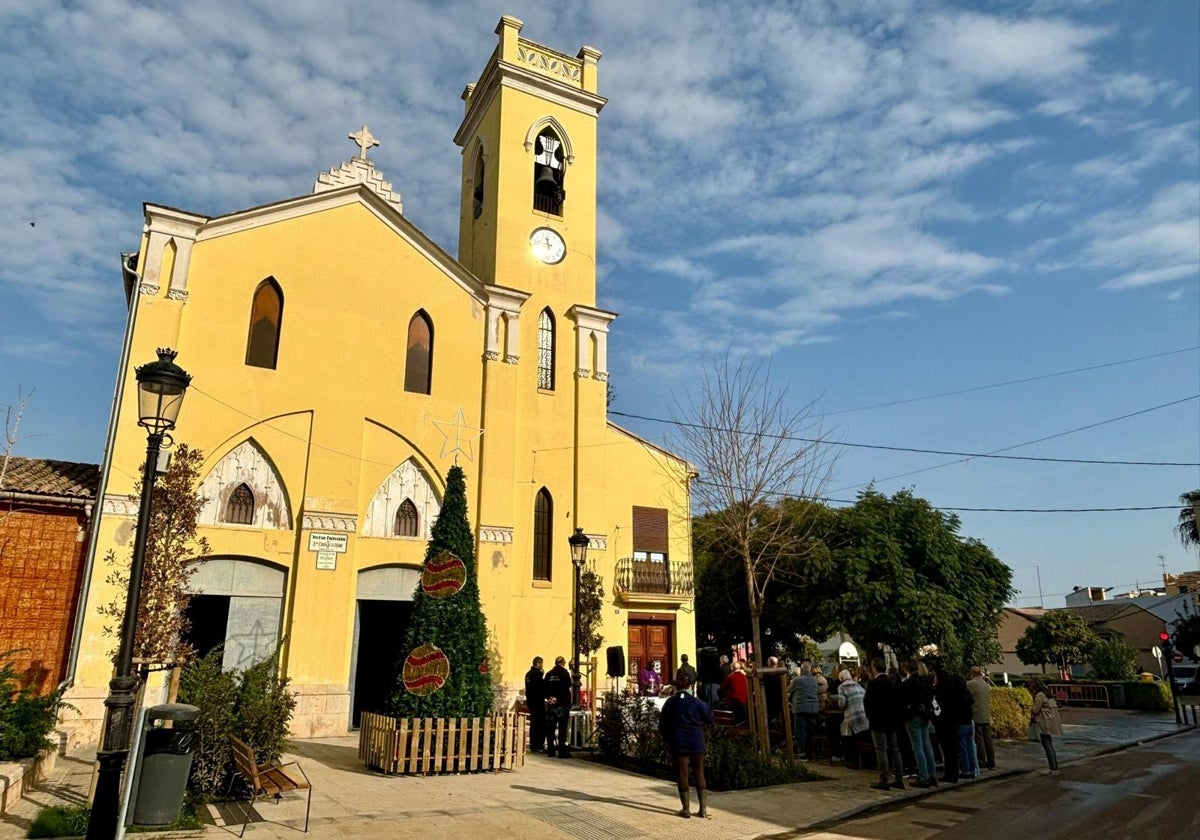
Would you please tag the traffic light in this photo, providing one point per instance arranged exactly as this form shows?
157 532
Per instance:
1167 647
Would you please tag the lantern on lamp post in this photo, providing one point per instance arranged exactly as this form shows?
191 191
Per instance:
161 386
579 547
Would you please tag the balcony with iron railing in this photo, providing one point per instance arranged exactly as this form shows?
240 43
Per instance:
639 581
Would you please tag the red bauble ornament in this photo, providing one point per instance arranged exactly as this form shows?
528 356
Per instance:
443 576
425 670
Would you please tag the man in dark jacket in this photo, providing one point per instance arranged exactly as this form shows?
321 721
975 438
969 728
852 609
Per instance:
535 699
886 715
557 686
955 703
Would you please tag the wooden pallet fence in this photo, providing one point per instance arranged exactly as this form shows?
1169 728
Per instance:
434 746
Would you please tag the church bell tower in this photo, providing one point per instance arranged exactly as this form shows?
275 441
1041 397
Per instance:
528 205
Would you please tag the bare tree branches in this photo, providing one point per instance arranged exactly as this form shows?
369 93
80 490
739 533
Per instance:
739 430
12 425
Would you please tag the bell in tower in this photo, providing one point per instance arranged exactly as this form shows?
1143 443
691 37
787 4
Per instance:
548 192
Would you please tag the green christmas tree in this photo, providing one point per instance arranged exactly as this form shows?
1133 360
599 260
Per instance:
446 620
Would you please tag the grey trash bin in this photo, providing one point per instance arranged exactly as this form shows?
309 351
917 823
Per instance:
165 765
1116 696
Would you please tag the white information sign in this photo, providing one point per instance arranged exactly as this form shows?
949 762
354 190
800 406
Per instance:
327 542
326 559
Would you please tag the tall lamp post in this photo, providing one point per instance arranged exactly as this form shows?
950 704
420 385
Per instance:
161 386
579 547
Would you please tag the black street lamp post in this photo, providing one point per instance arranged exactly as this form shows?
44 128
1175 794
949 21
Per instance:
579 547
161 386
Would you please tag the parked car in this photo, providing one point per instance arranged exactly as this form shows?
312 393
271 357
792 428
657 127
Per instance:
1187 678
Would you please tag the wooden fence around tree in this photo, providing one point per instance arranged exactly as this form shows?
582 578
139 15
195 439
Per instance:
433 746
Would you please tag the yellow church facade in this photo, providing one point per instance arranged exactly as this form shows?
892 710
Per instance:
342 362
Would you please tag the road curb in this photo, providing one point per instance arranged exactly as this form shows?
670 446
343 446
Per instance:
918 794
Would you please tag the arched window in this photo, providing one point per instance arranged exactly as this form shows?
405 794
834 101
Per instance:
548 172
266 318
406 519
543 534
239 510
418 368
546 350
477 195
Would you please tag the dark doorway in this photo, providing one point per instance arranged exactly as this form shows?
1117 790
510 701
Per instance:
381 628
209 617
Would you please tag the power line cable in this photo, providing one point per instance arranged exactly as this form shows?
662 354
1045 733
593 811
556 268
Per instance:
994 452
1011 382
967 455
952 509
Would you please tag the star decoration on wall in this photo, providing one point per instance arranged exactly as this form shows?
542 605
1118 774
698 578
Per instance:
457 436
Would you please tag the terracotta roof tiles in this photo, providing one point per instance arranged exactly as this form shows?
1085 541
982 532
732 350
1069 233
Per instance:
51 478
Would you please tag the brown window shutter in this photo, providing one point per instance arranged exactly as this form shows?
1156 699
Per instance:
649 529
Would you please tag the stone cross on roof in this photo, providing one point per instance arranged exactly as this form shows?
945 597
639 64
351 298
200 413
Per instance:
364 139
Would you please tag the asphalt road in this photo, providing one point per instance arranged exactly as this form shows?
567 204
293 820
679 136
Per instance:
1149 791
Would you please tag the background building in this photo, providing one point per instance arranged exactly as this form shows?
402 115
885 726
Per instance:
45 514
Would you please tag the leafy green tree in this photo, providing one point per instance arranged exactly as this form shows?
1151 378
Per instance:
1060 637
1188 528
1186 634
722 604
1113 659
591 606
902 576
455 624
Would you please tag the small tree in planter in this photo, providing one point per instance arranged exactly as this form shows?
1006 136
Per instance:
445 669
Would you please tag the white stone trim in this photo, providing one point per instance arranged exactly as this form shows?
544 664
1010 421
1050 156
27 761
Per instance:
591 323
177 294
496 534
165 225
358 171
247 463
551 122
597 542
407 481
148 289
119 504
322 520
504 303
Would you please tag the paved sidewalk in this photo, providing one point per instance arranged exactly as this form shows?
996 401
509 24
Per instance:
580 798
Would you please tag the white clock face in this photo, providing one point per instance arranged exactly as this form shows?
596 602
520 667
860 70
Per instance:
547 245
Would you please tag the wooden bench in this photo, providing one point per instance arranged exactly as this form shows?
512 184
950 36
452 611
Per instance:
267 779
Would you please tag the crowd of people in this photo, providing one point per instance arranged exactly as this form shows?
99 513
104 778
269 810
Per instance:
911 714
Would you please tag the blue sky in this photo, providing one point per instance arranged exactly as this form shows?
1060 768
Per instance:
888 200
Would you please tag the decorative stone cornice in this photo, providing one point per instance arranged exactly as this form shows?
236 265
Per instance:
583 373
358 171
600 376
177 294
491 356
597 542
119 505
496 534
321 520
148 289
511 360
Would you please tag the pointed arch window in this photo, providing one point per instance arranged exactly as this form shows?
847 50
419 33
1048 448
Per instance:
239 509
406 519
549 168
418 367
543 534
546 350
478 194
266 319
